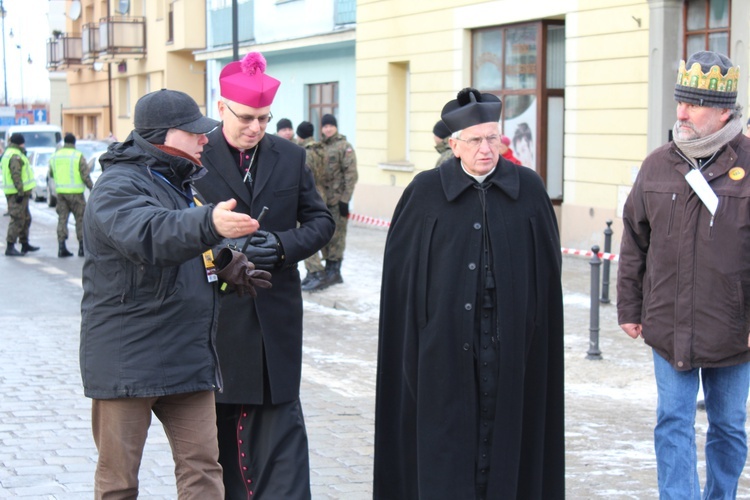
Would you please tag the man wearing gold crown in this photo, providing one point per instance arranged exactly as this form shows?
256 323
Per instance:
684 279
262 438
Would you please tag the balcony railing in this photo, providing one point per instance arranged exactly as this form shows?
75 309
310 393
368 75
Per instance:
64 52
220 22
122 37
346 12
90 43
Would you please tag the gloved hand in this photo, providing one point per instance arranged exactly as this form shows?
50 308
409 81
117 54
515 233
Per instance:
264 250
344 209
241 275
19 198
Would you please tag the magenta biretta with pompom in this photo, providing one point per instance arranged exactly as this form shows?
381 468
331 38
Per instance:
246 82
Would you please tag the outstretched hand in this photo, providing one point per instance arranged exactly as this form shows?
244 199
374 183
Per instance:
231 224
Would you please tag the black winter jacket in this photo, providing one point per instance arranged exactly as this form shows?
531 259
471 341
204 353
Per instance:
149 314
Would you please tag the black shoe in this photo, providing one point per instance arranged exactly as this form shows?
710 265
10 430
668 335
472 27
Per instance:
63 250
25 248
80 250
307 279
317 282
11 251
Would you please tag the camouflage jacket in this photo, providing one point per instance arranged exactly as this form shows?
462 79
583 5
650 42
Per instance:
340 174
446 153
315 161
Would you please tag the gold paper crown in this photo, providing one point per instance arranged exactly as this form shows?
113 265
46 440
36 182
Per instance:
713 80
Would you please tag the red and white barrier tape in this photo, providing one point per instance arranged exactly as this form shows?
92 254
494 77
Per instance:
589 253
372 221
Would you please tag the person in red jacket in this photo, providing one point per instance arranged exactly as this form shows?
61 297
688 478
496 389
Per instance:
505 150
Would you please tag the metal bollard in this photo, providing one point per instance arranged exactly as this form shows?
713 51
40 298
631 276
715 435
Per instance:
605 268
596 262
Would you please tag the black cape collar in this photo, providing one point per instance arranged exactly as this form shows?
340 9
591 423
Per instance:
455 181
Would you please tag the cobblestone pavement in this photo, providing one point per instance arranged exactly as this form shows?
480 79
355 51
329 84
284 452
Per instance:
46 449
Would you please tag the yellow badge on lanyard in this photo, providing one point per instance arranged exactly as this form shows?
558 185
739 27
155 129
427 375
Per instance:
737 173
208 256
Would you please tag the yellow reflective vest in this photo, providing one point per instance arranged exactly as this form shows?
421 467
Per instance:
65 169
27 173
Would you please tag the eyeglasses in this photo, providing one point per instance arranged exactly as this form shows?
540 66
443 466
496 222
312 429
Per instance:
247 120
475 142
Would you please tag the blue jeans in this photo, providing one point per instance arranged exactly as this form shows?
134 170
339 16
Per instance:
726 392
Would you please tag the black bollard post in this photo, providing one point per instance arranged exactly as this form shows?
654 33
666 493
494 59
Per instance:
596 262
605 267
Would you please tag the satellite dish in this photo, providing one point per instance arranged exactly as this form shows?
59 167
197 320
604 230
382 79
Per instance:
123 6
98 66
75 10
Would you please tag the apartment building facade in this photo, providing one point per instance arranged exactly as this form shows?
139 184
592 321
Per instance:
587 87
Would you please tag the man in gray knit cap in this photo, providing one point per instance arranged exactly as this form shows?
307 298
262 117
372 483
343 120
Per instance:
684 279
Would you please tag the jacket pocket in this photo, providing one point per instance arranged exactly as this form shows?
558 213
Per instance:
661 200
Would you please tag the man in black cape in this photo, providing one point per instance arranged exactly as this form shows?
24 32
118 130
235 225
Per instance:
470 358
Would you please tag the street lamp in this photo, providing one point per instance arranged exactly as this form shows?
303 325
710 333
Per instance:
20 64
5 72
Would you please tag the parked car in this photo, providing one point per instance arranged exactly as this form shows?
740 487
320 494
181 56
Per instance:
95 168
90 148
39 160
37 135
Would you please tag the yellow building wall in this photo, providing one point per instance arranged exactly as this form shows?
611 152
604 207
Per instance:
606 93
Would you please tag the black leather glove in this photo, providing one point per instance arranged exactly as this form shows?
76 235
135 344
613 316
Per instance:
264 250
344 209
19 198
241 275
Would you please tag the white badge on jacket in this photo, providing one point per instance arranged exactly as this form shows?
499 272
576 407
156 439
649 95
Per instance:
703 190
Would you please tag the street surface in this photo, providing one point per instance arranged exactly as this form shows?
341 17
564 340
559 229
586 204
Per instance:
46 448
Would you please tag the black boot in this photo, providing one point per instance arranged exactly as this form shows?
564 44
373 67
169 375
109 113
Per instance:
63 250
25 248
11 251
80 248
307 279
333 272
316 282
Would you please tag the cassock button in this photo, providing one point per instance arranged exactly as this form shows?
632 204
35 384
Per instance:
477 225
467 346
472 266
467 306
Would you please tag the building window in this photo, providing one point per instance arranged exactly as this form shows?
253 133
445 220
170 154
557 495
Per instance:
706 26
524 65
322 98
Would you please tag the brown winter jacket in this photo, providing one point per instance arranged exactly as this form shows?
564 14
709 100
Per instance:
682 275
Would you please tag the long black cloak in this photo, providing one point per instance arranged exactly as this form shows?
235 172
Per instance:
426 410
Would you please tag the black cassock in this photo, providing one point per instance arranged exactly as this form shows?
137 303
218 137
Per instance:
446 237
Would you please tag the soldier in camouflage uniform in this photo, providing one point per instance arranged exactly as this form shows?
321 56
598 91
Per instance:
315 160
441 134
337 182
18 183
71 173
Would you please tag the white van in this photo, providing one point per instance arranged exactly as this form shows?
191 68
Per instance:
37 136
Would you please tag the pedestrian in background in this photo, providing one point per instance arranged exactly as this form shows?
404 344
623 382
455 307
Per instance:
18 183
315 159
470 374
683 283
440 134
150 300
505 150
339 178
262 436
284 129
70 171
